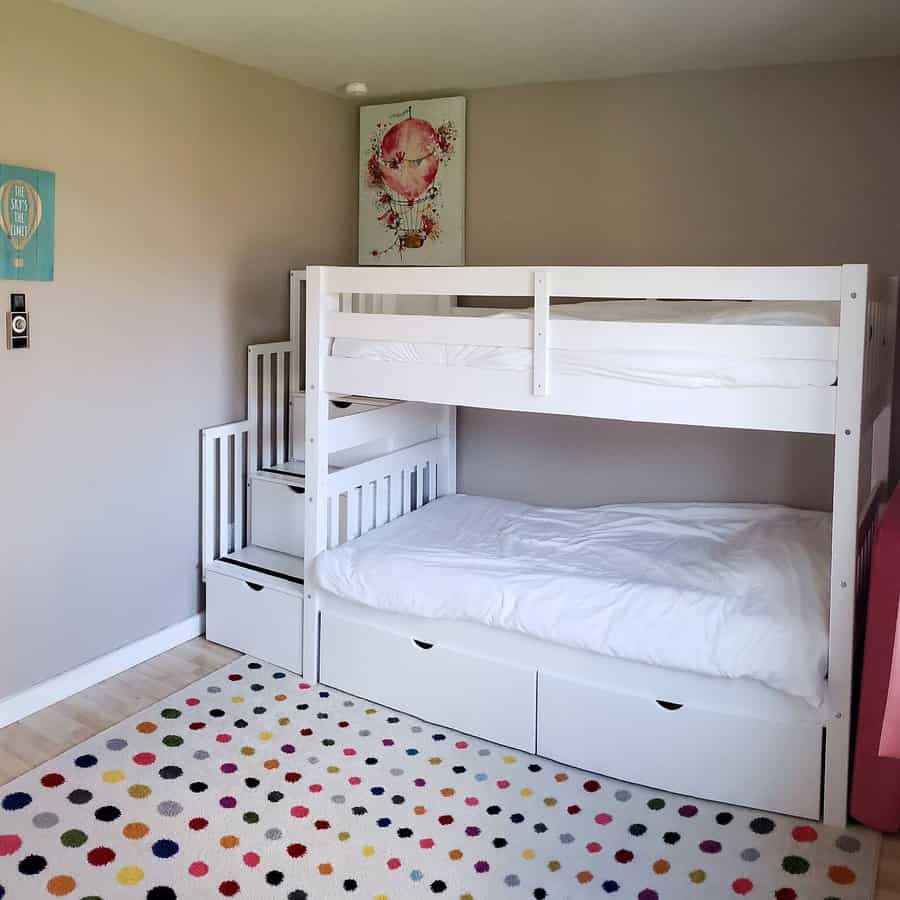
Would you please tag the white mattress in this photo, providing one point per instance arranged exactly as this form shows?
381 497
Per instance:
675 369
730 590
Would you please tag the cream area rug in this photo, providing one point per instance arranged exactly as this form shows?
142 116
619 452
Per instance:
255 784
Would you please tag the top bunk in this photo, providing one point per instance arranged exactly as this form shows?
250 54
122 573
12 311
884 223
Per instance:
804 349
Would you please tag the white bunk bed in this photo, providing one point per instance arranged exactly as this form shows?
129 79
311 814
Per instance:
729 739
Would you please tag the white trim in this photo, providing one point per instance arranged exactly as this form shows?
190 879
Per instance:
667 282
36 698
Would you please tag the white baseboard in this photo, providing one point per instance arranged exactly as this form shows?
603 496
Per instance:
29 701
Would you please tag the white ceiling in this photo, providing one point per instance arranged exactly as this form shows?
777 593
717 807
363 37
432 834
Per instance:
417 47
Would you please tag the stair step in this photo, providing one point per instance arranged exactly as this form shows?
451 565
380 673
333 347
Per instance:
346 398
263 561
291 473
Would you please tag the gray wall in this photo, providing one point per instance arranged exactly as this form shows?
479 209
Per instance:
566 461
187 188
792 165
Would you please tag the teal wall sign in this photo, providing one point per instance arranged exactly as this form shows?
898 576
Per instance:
27 223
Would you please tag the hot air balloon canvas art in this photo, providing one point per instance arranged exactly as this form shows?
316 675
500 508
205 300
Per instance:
412 183
27 220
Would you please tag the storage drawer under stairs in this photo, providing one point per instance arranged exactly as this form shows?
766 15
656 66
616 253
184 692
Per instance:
254 612
277 510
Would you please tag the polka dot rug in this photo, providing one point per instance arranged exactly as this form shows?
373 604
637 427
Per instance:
254 784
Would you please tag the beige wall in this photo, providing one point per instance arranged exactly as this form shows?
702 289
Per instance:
186 190
780 166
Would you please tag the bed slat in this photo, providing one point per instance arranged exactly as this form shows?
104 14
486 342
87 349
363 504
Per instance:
395 479
224 481
266 416
807 409
381 502
253 451
770 341
541 337
406 480
367 506
239 485
280 410
209 500
352 513
419 474
334 522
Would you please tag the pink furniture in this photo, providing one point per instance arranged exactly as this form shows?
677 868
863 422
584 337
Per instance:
875 788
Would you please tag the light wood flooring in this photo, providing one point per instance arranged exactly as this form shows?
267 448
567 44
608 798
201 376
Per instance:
46 734
52 731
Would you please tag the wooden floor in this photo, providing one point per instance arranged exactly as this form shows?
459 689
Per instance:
46 734
52 731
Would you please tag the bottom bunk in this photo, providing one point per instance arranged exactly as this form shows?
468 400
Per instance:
674 645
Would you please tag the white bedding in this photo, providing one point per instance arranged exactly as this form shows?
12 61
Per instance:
730 590
653 366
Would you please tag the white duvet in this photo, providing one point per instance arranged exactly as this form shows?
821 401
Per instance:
679 369
730 590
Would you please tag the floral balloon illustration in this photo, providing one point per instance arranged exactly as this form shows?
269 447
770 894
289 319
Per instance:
20 214
403 166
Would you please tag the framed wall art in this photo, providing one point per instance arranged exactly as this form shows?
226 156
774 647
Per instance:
27 222
412 159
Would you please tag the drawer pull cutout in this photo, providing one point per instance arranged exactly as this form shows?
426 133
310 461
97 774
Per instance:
422 645
667 704
297 490
253 586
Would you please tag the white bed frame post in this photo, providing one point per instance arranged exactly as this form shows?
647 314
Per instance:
318 302
298 321
848 416
541 336
446 475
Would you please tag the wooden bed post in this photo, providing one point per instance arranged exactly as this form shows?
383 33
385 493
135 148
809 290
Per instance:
318 303
848 416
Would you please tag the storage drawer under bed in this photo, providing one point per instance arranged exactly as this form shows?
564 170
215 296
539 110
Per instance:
254 619
488 698
746 761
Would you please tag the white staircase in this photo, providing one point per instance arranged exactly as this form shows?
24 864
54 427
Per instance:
252 502
253 494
